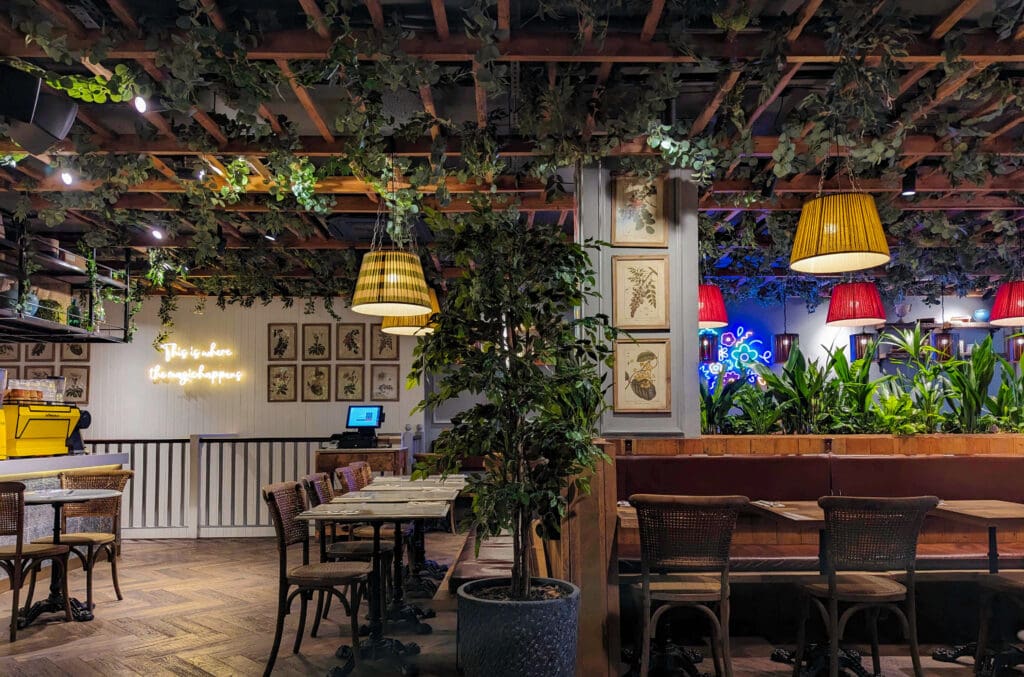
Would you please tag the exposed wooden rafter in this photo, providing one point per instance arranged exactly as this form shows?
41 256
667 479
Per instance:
946 24
440 19
305 101
480 95
651 21
701 123
316 17
376 14
803 17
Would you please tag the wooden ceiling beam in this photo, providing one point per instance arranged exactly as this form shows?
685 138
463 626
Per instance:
973 203
376 14
701 123
481 98
427 97
213 11
64 17
979 47
124 14
260 183
505 19
936 183
316 17
807 11
211 127
440 20
95 125
306 101
912 78
946 89
344 204
1003 129
652 20
315 146
780 87
946 24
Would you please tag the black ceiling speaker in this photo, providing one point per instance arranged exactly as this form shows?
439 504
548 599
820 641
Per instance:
36 119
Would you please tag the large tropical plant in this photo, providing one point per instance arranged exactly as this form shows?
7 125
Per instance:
855 389
510 332
802 393
716 403
1006 408
921 375
969 380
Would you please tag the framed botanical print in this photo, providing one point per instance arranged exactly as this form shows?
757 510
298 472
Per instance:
384 382
10 352
282 342
316 383
76 383
39 370
281 383
40 352
13 371
351 341
638 212
316 342
642 376
640 292
382 346
74 352
349 382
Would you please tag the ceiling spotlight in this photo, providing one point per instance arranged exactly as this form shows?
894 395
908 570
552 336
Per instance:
140 104
67 177
158 234
909 188
201 174
270 237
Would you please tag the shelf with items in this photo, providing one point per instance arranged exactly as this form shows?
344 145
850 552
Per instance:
55 295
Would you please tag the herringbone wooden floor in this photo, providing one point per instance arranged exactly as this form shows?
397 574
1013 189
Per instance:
207 608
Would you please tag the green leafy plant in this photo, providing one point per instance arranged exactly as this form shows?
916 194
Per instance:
1006 408
760 414
854 389
969 380
801 392
507 333
716 404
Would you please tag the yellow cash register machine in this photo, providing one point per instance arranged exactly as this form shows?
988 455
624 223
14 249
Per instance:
33 427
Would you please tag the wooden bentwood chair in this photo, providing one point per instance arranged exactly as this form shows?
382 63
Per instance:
866 535
285 502
688 535
95 543
319 490
16 560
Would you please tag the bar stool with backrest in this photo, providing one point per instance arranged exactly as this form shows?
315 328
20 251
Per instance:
866 535
94 543
688 535
17 559
285 501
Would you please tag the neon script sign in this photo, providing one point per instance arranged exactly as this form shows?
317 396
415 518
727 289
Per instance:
187 365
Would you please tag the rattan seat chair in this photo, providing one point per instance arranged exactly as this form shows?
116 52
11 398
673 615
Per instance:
1007 586
866 535
684 560
285 501
18 559
89 546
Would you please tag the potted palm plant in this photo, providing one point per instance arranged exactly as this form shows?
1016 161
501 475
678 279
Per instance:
511 332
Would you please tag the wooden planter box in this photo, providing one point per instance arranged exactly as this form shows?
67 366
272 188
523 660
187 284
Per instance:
997 444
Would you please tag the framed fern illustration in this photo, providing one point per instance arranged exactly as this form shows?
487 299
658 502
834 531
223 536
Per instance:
640 292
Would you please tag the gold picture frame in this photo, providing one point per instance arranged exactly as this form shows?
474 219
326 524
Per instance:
74 352
282 382
643 377
640 292
385 382
316 342
40 352
10 352
316 383
76 383
282 341
351 337
638 212
349 382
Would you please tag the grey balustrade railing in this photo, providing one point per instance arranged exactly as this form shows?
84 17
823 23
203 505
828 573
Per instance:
209 485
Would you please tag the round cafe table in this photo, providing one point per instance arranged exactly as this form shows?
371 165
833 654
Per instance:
55 602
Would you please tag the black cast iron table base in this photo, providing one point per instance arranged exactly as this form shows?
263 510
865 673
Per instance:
54 604
670 659
384 648
952 655
816 660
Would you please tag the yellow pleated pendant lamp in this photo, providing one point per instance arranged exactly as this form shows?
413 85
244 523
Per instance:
839 233
391 284
412 325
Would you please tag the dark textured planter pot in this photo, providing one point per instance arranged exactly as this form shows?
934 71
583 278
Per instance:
518 639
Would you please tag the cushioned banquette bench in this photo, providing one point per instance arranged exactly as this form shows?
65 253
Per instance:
761 544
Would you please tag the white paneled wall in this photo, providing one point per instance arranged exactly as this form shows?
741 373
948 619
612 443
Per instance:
125 405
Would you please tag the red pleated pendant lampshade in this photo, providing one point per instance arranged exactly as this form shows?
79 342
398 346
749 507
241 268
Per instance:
711 307
855 304
1008 309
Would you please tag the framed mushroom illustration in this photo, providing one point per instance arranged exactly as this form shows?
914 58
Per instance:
642 376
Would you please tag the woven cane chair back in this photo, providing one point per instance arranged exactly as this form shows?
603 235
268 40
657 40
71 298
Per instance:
873 534
115 480
12 509
686 533
285 502
364 474
347 478
318 488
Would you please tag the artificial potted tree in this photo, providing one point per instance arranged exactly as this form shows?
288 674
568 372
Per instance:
511 332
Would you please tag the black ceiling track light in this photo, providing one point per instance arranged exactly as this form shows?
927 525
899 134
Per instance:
909 187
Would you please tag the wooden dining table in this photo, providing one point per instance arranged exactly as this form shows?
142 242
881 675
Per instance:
989 514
